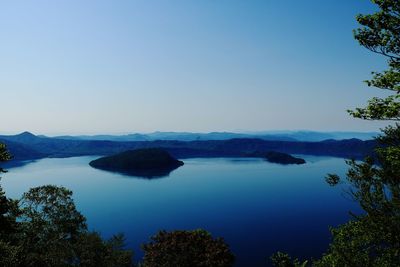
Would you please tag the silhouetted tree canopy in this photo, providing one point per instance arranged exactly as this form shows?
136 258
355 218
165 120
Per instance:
373 237
380 33
186 249
45 229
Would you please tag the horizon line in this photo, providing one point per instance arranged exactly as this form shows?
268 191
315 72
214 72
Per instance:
249 132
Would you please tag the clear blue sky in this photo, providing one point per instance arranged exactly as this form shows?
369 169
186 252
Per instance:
85 67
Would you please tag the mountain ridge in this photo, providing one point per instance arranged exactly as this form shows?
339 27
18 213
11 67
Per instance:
302 135
29 146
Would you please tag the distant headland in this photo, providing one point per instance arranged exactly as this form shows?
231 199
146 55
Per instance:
277 157
282 158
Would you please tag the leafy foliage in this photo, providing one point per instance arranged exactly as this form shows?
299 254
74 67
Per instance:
49 222
51 232
381 34
373 238
92 251
281 259
4 155
7 221
186 249
44 228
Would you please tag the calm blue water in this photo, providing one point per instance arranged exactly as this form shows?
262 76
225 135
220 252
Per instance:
258 207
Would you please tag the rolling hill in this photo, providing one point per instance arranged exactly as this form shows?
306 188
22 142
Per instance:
28 146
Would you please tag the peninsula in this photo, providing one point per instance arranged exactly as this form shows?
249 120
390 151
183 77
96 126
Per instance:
276 157
282 158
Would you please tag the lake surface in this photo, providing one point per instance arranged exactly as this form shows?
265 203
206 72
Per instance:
258 207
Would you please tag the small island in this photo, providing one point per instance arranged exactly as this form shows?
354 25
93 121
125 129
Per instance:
277 157
147 163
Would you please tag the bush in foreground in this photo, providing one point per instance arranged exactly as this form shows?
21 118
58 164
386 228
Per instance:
187 249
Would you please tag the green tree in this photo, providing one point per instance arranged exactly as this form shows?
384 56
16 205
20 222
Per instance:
4 155
6 222
49 222
186 249
45 229
53 233
373 238
93 251
8 227
280 259
380 34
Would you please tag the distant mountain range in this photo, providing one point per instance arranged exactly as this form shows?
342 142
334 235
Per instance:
26 146
310 136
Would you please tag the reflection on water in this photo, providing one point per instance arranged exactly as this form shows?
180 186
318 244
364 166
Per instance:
16 163
245 160
258 207
146 174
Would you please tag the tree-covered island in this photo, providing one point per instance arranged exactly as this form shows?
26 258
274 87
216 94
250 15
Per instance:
147 162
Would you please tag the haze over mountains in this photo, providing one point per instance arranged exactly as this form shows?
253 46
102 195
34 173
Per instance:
26 146
310 136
